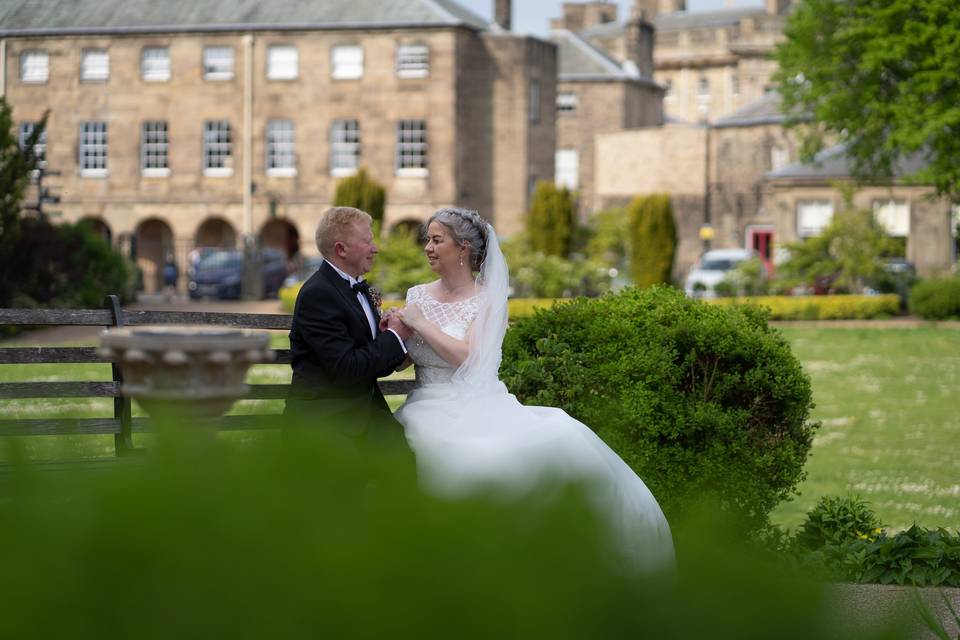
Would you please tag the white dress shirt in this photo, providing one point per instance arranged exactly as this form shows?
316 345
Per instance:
367 309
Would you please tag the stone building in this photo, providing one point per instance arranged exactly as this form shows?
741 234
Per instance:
180 124
710 62
800 200
597 93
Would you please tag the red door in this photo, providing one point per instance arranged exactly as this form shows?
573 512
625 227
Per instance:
760 239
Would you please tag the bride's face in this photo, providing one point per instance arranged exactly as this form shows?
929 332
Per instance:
443 252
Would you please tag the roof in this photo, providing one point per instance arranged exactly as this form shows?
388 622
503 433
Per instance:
43 17
766 110
833 162
577 59
680 20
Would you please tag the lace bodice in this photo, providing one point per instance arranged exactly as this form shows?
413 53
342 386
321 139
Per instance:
453 318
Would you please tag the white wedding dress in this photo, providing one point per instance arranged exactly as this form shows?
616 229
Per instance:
469 433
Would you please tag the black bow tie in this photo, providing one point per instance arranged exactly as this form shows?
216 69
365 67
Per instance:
361 287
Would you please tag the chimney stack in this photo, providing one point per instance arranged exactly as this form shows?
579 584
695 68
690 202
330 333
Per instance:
501 14
776 7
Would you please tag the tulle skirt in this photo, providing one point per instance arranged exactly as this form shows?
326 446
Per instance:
481 440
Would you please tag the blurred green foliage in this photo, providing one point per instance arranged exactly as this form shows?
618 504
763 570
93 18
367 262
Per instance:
653 239
936 298
534 274
705 402
312 537
847 254
361 191
16 165
400 263
67 266
551 220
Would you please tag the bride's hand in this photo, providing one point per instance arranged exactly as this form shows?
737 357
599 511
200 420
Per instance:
412 316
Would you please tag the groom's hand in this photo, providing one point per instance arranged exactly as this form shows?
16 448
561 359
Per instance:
393 322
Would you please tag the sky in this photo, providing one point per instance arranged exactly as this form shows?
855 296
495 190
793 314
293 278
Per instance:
533 16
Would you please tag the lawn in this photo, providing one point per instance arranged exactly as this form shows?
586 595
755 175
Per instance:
887 399
891 430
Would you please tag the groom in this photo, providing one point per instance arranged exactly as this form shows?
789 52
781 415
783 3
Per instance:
337 350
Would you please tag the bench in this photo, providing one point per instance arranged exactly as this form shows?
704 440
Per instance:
122 425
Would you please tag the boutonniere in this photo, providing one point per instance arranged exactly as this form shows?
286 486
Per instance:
376 297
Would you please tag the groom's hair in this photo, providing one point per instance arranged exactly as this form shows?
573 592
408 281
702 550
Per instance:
334 224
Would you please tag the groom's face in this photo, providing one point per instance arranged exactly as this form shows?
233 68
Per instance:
357 249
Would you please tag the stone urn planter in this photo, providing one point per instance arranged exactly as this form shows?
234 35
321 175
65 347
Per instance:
195 372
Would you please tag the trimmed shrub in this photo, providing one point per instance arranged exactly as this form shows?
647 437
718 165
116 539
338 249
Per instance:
653 239
68 265
834 307
362 192
936 299
551 220
705 402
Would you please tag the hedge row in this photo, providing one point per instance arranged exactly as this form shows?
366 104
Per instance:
835 307
936 299
518 307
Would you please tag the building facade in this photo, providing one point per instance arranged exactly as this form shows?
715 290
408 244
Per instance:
174 126
711 63
597 93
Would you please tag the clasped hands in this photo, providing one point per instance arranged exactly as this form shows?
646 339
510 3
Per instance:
405 321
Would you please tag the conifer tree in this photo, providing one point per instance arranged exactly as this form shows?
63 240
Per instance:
653 239
550 222
362 192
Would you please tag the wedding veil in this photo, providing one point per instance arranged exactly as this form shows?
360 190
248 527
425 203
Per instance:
479 372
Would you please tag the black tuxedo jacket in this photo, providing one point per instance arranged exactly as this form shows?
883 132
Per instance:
335 360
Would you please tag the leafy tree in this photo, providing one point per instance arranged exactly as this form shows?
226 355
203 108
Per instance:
848 252
362 192
551 220
16 164
653 239
879 76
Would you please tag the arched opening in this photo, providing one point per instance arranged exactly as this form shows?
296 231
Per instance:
412 228
99 227
152 243
282 236
216 233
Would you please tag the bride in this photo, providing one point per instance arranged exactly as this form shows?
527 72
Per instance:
467 430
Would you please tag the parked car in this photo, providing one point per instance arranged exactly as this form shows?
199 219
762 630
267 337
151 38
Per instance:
712 267
306 269
219 274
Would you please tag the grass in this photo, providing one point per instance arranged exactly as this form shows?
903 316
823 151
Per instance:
886 398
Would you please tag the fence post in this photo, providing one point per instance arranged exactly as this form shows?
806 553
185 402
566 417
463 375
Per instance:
123 441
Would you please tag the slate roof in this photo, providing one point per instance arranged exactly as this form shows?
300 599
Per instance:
577 59
42 17
694 20
834 163
680 20
766 110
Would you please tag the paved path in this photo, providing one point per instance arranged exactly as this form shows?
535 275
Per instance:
59 335
863 607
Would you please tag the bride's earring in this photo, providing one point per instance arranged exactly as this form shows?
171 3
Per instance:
461 259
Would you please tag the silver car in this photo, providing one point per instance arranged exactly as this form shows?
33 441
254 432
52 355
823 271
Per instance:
712 267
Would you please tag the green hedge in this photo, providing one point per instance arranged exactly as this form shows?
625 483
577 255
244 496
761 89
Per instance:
518 307
705 402
936 299
831 307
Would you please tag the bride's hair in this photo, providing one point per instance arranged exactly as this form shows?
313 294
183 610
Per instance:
466 227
